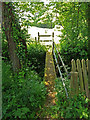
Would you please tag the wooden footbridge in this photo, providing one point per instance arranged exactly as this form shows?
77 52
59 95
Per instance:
50 74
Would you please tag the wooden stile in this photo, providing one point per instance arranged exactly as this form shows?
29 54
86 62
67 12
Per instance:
79 69
47 42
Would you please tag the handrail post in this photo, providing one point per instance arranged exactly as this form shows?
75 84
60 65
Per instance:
52 41
38 37
36 40
53 36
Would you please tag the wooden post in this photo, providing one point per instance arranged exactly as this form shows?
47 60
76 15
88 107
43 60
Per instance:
53 36
36 40
87 63
52 41
80 75
85 78
74 79
38 37
74 84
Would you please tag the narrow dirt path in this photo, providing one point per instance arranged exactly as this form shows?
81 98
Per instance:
50 76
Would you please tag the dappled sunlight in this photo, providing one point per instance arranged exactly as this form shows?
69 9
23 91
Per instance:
50 76
45 74
51 61
46 83
48 68
52 94
37 39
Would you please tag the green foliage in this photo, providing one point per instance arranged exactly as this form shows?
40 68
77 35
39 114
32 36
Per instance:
36 56
75 107
71 51
23 94
74 38
35 14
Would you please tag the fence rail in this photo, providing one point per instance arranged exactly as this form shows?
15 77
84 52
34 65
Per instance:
79 77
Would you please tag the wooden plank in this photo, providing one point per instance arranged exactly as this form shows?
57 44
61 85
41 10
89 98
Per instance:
79 69
87 64
50 76
74 84
73 65
46 43
45 35
85 77
45 40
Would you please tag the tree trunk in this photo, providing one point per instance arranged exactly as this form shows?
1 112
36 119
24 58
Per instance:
8 17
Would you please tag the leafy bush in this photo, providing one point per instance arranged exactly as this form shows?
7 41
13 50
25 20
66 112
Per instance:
75 107
71 50
36 56
23 94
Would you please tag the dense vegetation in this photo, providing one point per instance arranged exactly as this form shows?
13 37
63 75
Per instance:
72 107
24 92
23 61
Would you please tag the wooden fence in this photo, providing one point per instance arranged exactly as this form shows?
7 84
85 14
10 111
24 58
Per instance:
79 77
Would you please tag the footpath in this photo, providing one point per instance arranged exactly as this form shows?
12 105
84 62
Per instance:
50 76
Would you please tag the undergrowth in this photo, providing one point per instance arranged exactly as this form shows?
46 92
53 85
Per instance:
24 92
22 95
36 57
75 107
